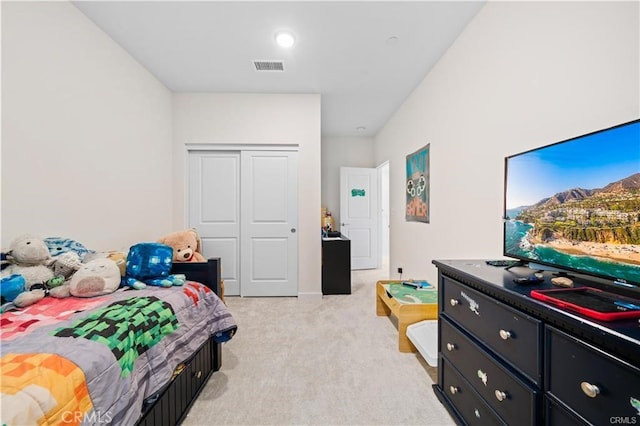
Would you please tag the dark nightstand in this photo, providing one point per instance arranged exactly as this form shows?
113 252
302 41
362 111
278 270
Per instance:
336 266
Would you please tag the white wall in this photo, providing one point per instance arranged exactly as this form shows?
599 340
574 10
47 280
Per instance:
341 152
258 119
521 75
86 133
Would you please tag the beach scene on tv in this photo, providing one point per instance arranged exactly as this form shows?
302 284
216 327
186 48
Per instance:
576 204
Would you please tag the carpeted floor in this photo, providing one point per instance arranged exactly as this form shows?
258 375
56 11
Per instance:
332 362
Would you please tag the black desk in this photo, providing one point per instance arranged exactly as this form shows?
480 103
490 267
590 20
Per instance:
336 266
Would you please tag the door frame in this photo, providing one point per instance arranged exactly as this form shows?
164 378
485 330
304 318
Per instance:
196 147
386 164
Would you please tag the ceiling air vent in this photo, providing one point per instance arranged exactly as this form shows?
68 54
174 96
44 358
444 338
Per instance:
268 65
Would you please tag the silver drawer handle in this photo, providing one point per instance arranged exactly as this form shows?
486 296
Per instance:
500 396
451 346
454 302
454 390
590 390
505 335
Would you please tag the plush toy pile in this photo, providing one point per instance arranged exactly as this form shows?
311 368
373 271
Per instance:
33 268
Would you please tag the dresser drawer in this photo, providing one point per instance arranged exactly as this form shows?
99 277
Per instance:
512 399
514 336
557 415
589 381
468 404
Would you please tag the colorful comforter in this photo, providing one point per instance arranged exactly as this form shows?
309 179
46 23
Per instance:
95 360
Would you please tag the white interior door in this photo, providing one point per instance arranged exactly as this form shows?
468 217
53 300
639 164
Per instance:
359 214
214 209
269 221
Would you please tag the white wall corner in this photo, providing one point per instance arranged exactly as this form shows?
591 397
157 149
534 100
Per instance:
308 296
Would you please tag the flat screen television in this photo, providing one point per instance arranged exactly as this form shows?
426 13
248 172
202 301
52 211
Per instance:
575 205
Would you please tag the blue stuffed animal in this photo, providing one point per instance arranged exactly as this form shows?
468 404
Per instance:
10 287
150 263
59 245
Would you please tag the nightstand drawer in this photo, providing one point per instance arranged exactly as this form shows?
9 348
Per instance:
511 398
589 381
468 403
511 334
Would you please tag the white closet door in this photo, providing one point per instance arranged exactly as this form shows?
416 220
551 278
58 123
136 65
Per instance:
269 221
214 209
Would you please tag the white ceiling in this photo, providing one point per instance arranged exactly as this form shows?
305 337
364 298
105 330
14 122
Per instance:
344 51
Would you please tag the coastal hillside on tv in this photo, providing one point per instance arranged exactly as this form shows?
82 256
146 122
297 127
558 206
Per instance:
576 204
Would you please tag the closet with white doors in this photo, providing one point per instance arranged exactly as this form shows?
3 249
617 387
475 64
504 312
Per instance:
244 204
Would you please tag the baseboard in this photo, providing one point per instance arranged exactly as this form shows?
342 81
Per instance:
310 296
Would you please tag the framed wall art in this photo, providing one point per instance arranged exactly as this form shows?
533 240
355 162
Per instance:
417 186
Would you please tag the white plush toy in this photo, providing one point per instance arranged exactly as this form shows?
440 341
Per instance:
64 266
96 278
29 256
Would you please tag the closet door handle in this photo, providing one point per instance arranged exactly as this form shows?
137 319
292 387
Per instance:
293 230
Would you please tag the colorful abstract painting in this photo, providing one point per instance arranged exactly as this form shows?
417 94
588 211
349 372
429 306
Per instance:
417 186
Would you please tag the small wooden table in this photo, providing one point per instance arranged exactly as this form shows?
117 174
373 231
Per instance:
406 313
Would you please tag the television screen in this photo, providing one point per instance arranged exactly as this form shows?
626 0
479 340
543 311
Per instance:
575 204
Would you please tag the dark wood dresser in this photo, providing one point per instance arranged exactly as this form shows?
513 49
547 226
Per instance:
505 358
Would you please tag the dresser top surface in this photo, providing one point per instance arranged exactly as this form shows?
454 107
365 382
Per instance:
498 282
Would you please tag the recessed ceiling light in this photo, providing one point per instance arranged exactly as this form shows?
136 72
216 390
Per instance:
285 39
361 128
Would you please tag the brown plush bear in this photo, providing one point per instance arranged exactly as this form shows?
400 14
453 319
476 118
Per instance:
185 244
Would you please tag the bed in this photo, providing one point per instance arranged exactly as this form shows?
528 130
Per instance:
131 357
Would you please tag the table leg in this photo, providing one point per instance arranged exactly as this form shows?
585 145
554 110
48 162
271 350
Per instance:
381 308
404 344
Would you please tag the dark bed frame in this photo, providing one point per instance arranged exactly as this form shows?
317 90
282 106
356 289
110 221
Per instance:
175 400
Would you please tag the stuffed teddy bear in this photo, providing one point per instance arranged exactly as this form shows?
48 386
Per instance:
185 244
95 278
150 263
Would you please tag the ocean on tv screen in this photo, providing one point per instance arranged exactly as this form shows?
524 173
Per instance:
594 258
576 204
